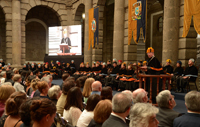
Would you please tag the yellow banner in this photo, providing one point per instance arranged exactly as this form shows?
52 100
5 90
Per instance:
91 34
132 24
191 8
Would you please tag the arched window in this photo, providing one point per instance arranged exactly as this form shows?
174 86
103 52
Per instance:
160 24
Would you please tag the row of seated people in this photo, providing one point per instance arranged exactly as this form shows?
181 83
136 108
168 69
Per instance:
89 108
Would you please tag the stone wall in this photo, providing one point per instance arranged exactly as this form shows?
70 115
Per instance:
35 42
108 24
2 35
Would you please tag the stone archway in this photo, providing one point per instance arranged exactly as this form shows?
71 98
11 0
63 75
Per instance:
2 35
38 20
80 20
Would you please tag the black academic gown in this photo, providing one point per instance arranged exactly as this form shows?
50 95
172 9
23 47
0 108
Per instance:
168 69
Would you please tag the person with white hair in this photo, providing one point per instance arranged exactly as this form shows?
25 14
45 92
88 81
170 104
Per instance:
166 114
143 115
3 77
121 105
191 118
54 93
18 87
191 73
140 95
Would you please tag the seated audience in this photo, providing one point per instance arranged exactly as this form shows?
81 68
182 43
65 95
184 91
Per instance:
9 76
87 115
17 79
191 118
106 93
121 104
3 77
34 86
64 77
73 106
43 112
5 92
182 81
67 85
54 93
143 115
12 109
28 84
166 114
102 112
96 88
25 113
87 89
45 79
140 95
43 87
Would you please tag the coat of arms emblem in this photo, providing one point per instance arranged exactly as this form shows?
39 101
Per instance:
137 10
93 25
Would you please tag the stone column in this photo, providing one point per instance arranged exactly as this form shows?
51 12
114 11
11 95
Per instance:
118 37
87 53
170 31
16 33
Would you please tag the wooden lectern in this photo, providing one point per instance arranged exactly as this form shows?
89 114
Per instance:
64 47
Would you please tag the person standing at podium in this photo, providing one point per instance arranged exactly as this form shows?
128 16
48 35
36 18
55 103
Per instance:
153 68
66 40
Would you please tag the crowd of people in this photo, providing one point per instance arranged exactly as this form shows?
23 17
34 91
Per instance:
28 98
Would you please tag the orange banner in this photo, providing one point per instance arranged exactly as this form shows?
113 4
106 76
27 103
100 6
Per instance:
191 8
91 34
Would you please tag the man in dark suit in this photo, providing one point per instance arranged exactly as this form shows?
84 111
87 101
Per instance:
166 114
121 104
66 40
192 118
183 80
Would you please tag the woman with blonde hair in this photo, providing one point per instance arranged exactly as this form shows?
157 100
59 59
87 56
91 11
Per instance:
34 86
87 89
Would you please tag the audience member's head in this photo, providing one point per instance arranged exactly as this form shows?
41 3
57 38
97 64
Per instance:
65 76
54 92
70 78
5 92
121 104
165 100
81 81
36 72
96 86
74 98
192 101
3 74
29 79
43 112
87 89
34 84
47 79
67 85
92 102
24 111
9 74
129 93
140 95
191 62
43 87
143 115
13 103
106 93
17 78
102 111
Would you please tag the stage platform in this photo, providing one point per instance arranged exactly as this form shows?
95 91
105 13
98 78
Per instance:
67 59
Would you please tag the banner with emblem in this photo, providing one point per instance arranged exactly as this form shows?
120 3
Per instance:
93 27
137 20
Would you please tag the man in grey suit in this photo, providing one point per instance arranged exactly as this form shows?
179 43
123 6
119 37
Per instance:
166 114
121 104
192 117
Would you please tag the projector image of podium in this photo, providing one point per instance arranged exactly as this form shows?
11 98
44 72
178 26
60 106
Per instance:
65 47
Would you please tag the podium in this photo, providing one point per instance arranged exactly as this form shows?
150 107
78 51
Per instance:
64 47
